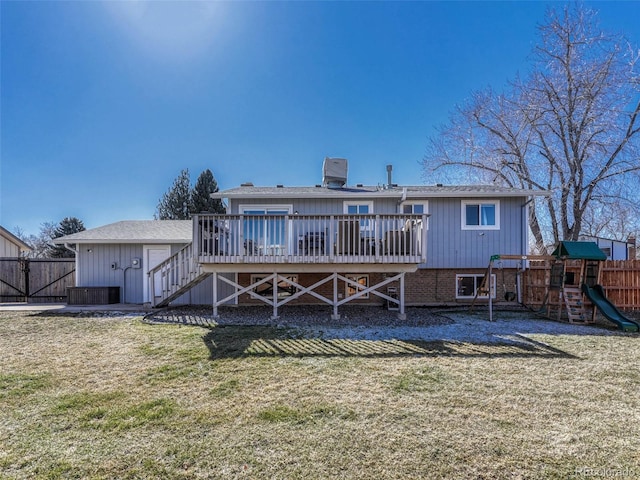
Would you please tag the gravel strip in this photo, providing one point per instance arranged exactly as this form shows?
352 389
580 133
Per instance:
377 324
299 315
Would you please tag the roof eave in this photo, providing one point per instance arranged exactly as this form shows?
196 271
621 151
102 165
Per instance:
105 241
385 194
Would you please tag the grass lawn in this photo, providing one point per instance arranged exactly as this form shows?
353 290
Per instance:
102 397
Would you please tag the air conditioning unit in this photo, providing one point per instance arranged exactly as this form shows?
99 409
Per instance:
334 172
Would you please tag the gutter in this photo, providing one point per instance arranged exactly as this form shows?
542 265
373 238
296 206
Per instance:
384 194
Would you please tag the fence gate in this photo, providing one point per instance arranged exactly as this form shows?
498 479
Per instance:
36 280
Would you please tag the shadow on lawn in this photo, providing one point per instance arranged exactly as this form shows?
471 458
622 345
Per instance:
264 341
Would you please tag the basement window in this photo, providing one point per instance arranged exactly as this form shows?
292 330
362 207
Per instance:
285 289
362 280
468 284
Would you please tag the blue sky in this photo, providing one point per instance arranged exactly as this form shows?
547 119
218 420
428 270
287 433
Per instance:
104 103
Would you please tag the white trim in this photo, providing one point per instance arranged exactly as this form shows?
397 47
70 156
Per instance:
265 207
349 203
146 267
463 214
439 192
478 279
425 205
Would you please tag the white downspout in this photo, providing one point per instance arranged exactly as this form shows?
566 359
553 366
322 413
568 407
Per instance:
76 252
403 198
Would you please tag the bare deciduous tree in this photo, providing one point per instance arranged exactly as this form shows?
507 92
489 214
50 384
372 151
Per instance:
570 127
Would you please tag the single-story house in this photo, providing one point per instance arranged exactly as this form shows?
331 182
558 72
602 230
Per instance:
614 249
11 246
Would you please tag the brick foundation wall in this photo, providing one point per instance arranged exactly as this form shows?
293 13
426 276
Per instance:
326 289
424 287
438 286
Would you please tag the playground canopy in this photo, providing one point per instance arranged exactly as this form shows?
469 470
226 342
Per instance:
579 251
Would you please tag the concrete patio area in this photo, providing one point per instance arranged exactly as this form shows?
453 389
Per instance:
64 308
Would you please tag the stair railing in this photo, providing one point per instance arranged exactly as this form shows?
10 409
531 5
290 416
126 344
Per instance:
173 275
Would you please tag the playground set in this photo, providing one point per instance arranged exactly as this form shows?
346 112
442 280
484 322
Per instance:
576 292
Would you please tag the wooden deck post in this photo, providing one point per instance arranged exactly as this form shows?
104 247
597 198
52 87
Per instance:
152 289
215 295
401 314
275 280
335 315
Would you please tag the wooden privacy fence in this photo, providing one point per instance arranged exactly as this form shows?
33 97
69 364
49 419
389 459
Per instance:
620 279
36 280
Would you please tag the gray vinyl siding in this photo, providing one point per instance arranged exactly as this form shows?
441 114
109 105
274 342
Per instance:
317 206
94 269
449 246
8 249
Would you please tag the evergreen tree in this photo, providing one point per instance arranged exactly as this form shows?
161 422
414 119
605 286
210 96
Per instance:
67 226
176 204
201 200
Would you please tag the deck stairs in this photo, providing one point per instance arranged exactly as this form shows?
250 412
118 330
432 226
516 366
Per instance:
177 275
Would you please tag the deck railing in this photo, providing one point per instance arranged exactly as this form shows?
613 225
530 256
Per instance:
363 238
168 279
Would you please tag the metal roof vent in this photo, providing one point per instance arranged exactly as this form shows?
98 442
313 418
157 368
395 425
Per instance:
334 172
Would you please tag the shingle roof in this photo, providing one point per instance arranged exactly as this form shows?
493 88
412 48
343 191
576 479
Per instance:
415 191
135 231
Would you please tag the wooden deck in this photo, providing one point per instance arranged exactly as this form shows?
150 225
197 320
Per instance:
319 242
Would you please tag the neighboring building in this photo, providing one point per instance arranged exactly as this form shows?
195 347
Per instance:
11 246
329 243
614 249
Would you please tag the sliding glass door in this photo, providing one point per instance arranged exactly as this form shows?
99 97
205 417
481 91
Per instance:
264 230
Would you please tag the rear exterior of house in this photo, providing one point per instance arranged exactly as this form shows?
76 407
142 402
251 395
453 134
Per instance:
435 242
329 243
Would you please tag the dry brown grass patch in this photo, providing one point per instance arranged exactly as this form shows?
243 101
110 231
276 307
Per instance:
116 398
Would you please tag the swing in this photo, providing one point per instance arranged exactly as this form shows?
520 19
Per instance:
509 295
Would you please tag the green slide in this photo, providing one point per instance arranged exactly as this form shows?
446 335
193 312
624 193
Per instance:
608 309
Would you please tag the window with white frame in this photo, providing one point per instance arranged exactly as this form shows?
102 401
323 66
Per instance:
285 288
362 280
357 208
481 215
417 208
468 284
